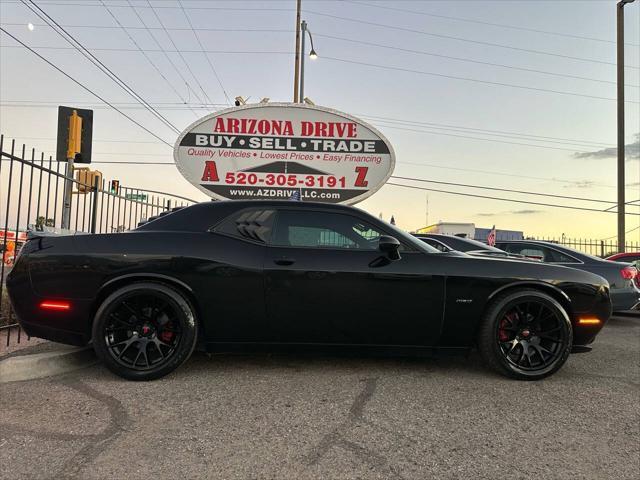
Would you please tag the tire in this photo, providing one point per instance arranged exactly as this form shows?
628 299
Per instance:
144 331
525 334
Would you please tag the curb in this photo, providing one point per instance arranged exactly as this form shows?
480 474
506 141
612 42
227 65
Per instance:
40 365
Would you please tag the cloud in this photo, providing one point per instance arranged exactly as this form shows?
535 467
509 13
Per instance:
509 212
632 151
524 212
581 184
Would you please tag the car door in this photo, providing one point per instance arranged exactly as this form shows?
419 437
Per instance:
327 282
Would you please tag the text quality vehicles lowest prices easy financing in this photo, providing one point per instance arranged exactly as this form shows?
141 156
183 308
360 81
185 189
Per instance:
240 274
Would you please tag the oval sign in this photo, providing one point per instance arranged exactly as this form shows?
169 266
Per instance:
282 151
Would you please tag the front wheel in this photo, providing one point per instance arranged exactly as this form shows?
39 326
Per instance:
144 331
525 334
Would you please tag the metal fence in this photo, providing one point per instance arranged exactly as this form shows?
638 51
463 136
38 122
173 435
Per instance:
598 248
32 197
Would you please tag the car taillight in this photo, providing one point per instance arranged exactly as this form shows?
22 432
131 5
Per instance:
629 272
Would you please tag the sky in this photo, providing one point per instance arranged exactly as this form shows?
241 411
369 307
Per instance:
501 94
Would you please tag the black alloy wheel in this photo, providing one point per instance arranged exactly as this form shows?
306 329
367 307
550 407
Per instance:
526 334
144 331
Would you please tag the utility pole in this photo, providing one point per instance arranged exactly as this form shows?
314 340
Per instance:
621 150
296 73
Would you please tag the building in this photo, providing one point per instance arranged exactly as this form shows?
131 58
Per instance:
469 230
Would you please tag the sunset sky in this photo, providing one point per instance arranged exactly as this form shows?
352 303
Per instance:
503 94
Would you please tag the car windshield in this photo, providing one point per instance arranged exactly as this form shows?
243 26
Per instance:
410 239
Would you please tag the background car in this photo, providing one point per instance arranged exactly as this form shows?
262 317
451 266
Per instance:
625 294
242 275
628 257
447 243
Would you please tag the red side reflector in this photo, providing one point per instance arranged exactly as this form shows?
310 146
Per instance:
55 305
589 321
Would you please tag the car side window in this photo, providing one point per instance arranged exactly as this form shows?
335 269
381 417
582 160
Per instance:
435 244
255 224
559 257
323 230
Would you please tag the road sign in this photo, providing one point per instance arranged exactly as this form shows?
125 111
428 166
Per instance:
138 197
272 150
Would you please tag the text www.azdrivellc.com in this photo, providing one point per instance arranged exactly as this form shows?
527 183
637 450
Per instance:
284 193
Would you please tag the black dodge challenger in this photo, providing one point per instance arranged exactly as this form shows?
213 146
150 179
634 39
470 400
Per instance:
231 275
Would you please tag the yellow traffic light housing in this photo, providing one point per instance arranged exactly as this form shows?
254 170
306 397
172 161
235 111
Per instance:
74 145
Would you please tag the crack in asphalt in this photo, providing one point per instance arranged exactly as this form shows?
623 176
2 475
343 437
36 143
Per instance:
118 419
335 438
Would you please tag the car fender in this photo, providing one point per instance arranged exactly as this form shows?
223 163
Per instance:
529 283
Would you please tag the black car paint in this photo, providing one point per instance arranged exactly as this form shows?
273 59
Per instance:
242 296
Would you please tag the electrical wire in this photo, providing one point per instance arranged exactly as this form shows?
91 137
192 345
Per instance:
179 52
151 62
95 61
587 209
497 189
468 60
461 39
213 69
87 88
469 79
480 22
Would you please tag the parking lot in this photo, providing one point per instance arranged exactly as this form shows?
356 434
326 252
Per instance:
291 416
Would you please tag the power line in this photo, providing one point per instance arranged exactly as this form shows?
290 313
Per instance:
153 37
468 60
497 189
171 29
414 187
157 69
486 131
87 88
99 49
30 4
213 69
179 52
469 79
467 40
503 174
480 22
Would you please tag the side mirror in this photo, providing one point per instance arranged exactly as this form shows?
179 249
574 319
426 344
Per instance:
390 246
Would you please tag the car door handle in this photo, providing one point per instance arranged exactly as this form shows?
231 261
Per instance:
284 261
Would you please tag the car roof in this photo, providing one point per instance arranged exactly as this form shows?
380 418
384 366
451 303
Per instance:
563 248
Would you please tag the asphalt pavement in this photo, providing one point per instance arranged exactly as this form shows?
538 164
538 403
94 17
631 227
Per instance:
297 417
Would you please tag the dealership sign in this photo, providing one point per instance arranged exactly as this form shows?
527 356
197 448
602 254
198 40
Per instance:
273 150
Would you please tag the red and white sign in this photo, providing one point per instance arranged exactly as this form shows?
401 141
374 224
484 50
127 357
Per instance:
270 151
11 236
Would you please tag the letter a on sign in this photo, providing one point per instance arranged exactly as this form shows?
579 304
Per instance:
210 172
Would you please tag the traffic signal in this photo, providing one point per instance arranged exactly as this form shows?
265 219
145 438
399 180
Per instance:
86 179
115 186
75 134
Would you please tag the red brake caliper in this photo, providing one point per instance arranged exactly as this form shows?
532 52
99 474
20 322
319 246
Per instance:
507 321
166 336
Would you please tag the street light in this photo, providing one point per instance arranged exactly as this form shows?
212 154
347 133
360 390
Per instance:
312 55
30 26
621 152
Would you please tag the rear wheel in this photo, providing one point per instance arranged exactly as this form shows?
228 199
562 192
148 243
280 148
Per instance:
144 331
525 334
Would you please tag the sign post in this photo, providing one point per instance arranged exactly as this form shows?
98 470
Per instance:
270 151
